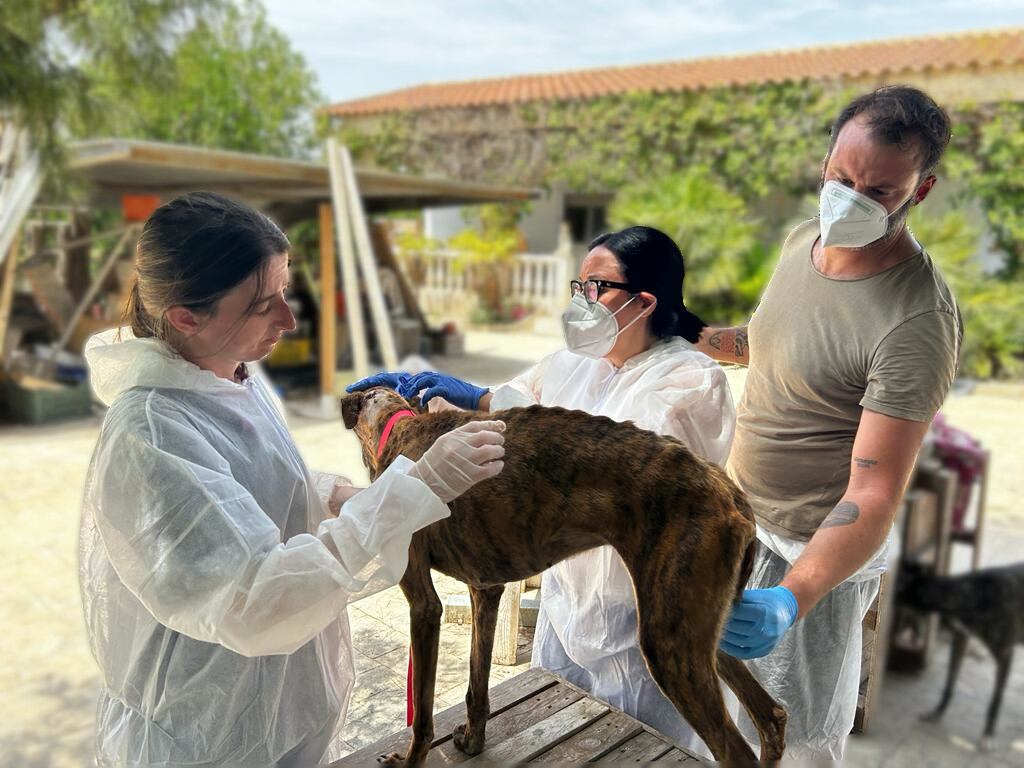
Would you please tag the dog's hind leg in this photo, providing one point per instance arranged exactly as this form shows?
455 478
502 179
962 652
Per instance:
680 648
469 737
425 611
956 657
766 713
1004 659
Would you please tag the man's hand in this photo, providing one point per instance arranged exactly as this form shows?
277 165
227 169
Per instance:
758 622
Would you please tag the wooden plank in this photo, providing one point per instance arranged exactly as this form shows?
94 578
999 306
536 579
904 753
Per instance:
112 257
506 632
605 736
7 295
979 525
349 276
676 755
328 321
386 256
539 738
507 724
503 696
367 262
644 748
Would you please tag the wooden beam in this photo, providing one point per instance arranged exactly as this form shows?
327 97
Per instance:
7 294
349 277
506 631
328 320
368 264
115 253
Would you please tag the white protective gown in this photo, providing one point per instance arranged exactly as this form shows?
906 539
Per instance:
586 630
214 581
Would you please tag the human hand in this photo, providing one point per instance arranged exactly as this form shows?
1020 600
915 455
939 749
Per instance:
460 459
455 391
758 622
389 380
342 492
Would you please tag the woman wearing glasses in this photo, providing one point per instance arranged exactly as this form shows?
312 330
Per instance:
630 356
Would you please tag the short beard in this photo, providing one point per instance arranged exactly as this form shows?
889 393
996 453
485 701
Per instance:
893 229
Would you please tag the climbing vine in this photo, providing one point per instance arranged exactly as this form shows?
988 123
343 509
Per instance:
727 171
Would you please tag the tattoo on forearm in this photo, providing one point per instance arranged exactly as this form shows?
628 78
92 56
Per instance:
863 463
845 513
741 343
715 340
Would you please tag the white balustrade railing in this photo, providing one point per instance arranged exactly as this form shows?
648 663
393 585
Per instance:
539 282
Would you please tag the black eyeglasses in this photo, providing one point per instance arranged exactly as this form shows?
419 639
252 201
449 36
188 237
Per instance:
591 289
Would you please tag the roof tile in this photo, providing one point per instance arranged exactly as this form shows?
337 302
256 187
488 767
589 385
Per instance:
987 48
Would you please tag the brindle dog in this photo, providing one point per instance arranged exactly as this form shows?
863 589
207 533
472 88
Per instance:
572 482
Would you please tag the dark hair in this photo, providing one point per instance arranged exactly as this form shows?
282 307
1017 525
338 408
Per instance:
192 251
897 115
652 262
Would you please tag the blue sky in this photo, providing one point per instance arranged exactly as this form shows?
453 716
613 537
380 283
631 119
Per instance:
362 47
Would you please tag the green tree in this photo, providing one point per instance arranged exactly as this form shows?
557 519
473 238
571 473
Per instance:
487 247
986 157
235 83
719 238
992 306
49 48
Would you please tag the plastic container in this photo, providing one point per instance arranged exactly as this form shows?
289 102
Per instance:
34 401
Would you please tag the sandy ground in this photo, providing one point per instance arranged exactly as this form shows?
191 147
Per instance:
48 681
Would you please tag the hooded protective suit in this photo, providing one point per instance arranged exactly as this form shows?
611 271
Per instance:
586 629
213 579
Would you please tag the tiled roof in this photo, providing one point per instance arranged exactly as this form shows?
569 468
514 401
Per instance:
914 54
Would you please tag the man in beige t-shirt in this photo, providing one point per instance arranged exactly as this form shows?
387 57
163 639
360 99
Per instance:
851 351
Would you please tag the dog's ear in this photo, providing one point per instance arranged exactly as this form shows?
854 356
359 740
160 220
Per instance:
351 405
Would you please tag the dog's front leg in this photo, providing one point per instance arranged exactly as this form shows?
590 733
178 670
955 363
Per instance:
469 737
425 612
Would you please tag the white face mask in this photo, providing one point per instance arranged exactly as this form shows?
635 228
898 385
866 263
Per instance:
849 219
590 329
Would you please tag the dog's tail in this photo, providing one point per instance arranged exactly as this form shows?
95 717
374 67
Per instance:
746 569
747 566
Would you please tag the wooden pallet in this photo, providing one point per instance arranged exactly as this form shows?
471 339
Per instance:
538 717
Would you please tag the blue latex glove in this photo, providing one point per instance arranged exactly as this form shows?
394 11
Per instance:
758 622
389 380
456 391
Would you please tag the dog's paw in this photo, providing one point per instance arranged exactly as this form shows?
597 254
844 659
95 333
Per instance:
392 760
985 744
471 744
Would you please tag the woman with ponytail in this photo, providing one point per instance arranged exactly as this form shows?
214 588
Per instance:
630 356
215 567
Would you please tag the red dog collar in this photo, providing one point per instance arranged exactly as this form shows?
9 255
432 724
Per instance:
395 418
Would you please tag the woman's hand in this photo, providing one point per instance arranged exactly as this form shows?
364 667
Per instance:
456 391
460 459
342 492
389 380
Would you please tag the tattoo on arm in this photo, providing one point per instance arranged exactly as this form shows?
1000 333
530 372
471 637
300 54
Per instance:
845 513
863 463
715 340
741 344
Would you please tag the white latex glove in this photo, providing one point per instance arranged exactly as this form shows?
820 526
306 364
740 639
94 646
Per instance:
460 459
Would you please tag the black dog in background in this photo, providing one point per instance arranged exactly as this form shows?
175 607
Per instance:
988 604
